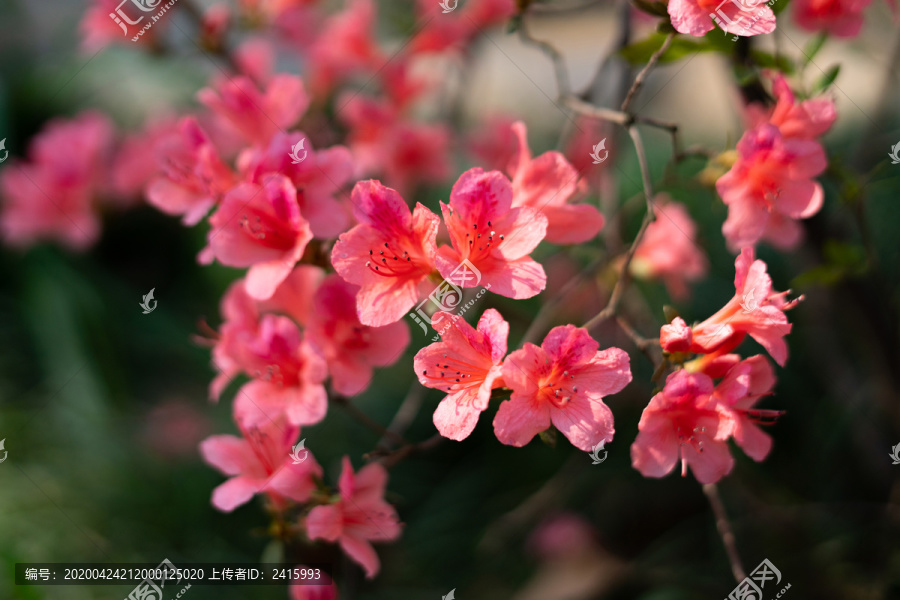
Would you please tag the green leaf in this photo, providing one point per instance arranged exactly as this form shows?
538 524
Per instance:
770 61
639 53
842 260
813 46
658 9
826 80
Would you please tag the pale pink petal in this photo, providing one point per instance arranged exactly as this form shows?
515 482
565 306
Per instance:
363 553
325 522
572 223
235 491
520 418
584 421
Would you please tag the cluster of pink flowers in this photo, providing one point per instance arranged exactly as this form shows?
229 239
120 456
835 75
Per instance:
693 417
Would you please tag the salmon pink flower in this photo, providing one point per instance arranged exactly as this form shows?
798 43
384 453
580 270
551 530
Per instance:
492 235
346 46
255 114
493 143
773 176
457 29
546 184
259 462
676 336
684 422
840 18
739 17
318 178
350 348
192 177
755 310
669 249
808 119
562 382
738 392
359 517
389 254
260 227
467 364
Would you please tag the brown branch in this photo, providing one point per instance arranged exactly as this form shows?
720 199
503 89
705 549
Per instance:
642 76
367 421
559 62
724 527
390 458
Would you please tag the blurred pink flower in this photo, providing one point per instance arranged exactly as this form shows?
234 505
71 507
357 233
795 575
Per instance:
739 17
562 382
755 310
455 30
192 178
350 348
260 461
547 183
257 115
389 254
174 427
738 392
359 517
318 177
467 364
684 422
346 46
669 249
307 591
492 235
840 18
98 29
773 176
563 535
808 119
131 172
260 227
493 143
54 195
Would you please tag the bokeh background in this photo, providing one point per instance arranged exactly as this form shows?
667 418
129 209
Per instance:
102 407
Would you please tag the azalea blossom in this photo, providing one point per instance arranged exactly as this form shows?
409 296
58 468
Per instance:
807 119
684 422
389 254
676 336
345 46
840 18
742 387
260 226
257 115
260 461
455 30
669 249
547 184
491 235
755 310
773 177
739 17
561 382
467 364
360 516
350 348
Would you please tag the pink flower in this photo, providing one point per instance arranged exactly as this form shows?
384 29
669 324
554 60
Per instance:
808 119
193 178
669 249
684 421
98 29
546 184
308 591
740 17
773 177
841 18
493 144
467 364
260 461
318 177
492 235
562 382
359 517
738 392
457 29
260 227
131 172
388 254
676 336
755 310
53 196
350 348
345 47
257 115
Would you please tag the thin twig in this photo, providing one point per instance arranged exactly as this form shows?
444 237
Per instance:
724 527
639 80
559 62
392 457
366 420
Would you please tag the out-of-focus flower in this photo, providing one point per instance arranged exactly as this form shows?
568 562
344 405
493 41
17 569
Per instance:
840 18
684 422
98 29
676 336
455 30
389 254
346 46
54 195
350 348
257 115
493 143
467 364
562 382
310 591
547 184
562 535
492 235
259 461
358 517
131 172
174 427
746 18
808 119
260 227
669 249
738 392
